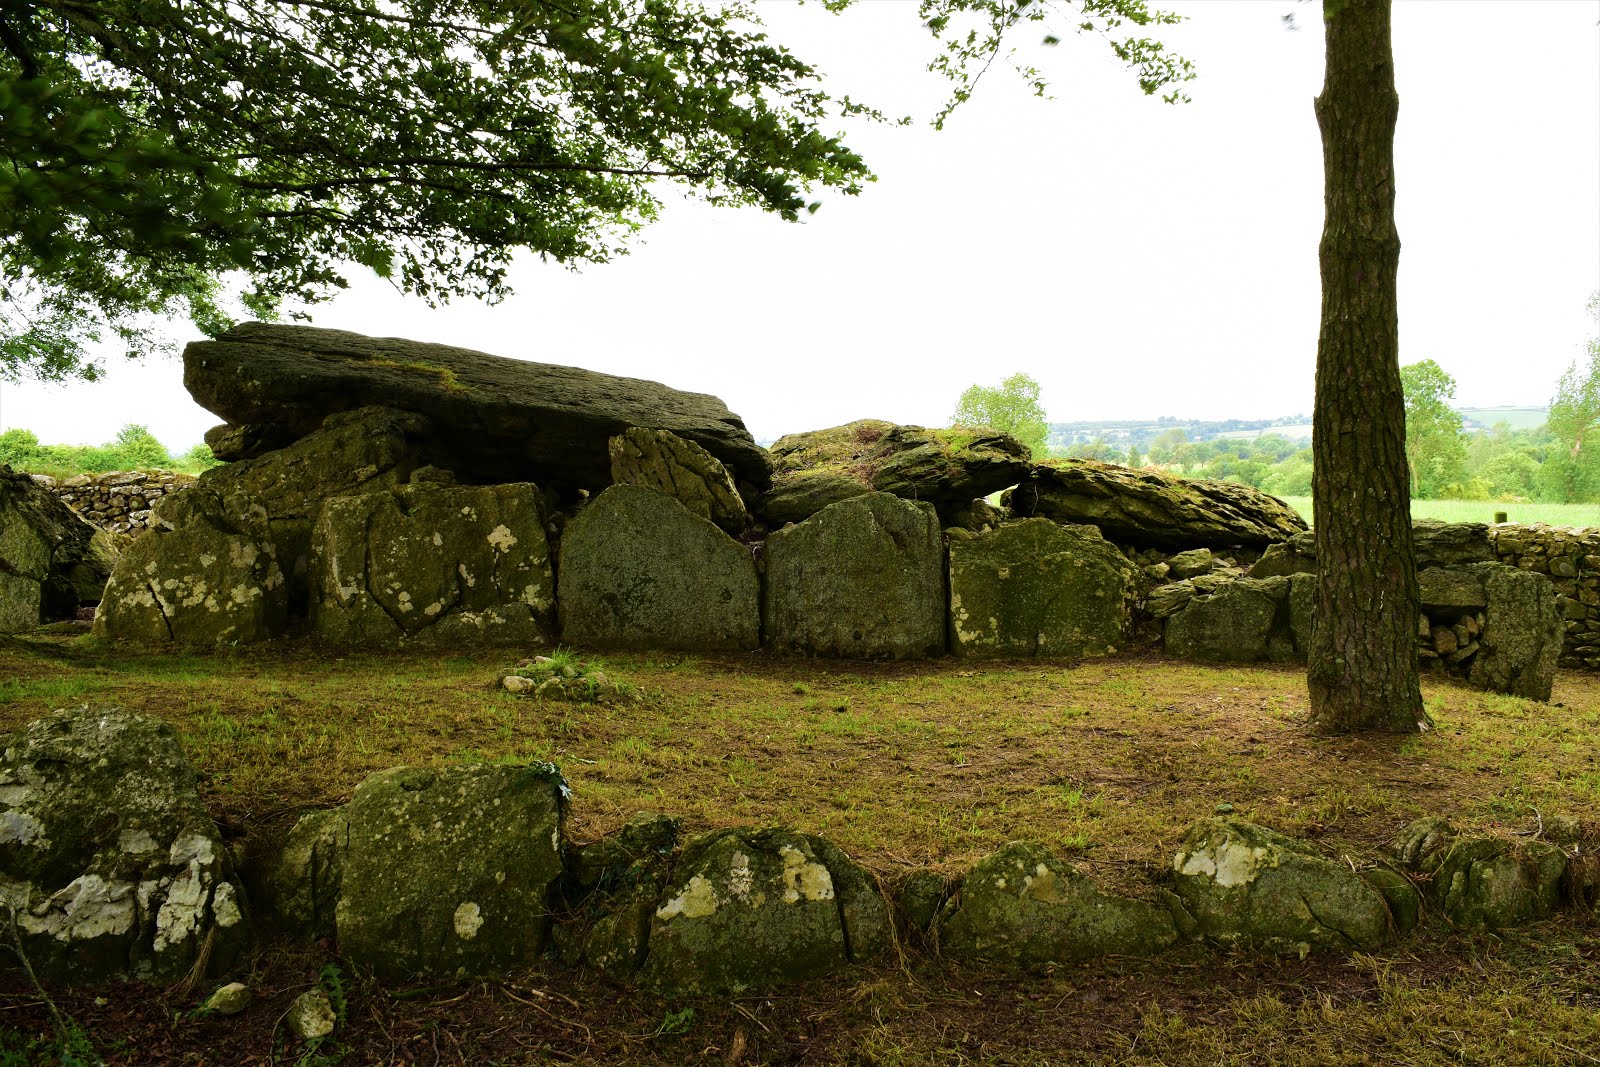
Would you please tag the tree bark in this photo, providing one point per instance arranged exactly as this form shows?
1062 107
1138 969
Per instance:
1363 660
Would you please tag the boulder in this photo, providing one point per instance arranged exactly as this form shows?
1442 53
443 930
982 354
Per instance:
1244 621
863 578
639 569
1296 556
1245 885
1191 564
1023 907
444 872
1483 882
976 516
949 468
51 561
433 562
1152 510
665 462
1034 588
206 572
496 419
1522 632
748 909
1451 589
648 836
1450 544
107 855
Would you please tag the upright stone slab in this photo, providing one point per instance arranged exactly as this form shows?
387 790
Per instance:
1033 588
665 462
107 854
638 569
1521 639
1245 621
50 560
205 573
1480 881
863 578
433 562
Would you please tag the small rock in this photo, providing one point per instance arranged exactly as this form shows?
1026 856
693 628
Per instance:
516 683
230 999
311 1016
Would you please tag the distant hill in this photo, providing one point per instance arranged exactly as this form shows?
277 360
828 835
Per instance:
1516 418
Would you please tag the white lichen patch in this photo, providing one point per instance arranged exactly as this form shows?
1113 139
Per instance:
1227 862
207 559
468 921
501 539
243 554
804 879
88 907
135 842
225 906
20 828
433 609
740 877
698 899
438 539
466 575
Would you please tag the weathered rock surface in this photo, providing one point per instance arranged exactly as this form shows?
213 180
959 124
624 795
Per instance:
1483 882
440 563
863 578
749 909
1024 907
50 560
639 569
107 855
1446 544
1147 509
205 573
1249 886
1450 589
429 872
1245 621
502 420
949 468
681 469
1521 639
1035 588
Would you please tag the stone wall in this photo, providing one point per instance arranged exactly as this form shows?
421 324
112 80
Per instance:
1570 555
119 501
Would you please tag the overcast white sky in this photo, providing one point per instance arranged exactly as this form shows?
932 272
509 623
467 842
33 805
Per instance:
1138 259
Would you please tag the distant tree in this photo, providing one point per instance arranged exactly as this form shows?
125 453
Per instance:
1436 452
1098 449
1574 417
1510 474
136 448
1134 458
199 458
1163 447
1013 407
19 448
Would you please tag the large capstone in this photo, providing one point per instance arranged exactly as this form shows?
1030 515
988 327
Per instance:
108 859
1522 630
206 572
1482 881
948 468
1244 621
1024 907
429 872
863 578
51 561
1249 886
1033 588
1151 510
639 569
681 469
749 909
436 562
495 419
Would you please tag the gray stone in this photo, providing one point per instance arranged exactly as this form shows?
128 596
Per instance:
1245 885
1023 907
1446 544
1450 589
1166 600
1302 611
230 999
302 882
502 420
665 462
1033 588
51 561
311 1017
1191 564
862 578
1282 560
443 564
1483 882
1522 631
639 569
1237 624
107 854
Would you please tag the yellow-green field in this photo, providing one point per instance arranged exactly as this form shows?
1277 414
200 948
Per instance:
1485 510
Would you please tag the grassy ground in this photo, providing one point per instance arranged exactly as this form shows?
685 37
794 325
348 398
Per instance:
905 766
1485 511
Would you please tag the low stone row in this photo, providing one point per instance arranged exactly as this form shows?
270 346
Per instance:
119 501
113 871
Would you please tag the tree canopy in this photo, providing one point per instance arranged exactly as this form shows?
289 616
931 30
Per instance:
1435 450
1574 420
1013 407
158 157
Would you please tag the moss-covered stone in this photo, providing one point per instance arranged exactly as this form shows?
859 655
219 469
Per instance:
1023 907
50 560
1483 882
206 572
1451 589
1148 509
1405 903
1242 622
648 836
1191 564
1034 588
921 896
863 578
1522 631
448 872
665 462
301 887
107 854
1249 886
442 564
748 909
639 569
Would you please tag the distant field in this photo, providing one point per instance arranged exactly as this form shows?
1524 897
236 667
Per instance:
1516 418
1484 511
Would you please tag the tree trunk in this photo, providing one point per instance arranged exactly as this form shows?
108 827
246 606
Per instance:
1363 660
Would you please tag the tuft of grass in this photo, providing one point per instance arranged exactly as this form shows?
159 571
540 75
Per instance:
446 376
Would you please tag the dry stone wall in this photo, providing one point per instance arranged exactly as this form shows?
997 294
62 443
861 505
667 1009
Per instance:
119 501
1570 556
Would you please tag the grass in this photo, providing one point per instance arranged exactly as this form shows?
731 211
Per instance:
1485 510
905 766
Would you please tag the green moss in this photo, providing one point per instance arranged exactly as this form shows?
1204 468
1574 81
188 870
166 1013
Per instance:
446 377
